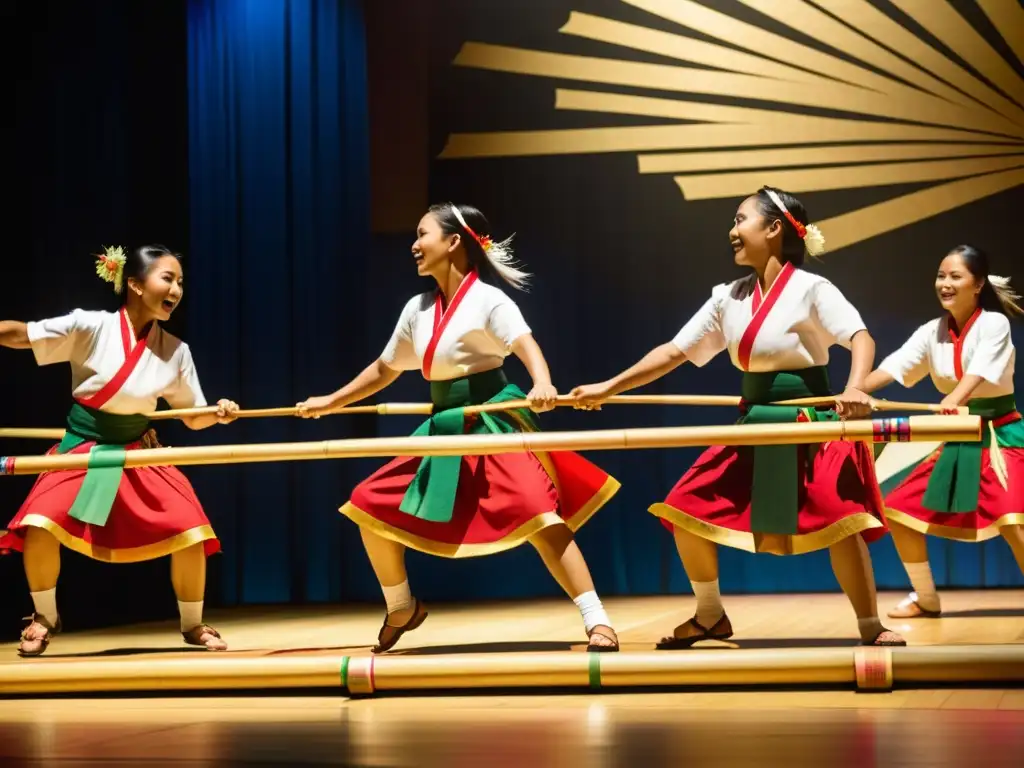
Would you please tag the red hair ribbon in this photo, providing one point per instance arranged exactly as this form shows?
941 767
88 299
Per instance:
800 228
485 242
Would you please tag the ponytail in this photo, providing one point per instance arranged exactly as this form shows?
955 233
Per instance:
490 258
1006 296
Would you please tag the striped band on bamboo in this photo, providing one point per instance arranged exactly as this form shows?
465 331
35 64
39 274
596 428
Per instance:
873 666
895 430
594 670
6 465
344 671
359 676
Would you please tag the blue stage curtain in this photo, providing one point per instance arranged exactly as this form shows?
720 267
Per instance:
278 179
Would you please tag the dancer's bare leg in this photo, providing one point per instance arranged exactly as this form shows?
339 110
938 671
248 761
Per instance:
700 561
912 547
41 560
188 577
851 563
558 549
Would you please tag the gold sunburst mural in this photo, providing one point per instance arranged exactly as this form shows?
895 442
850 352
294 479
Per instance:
905 112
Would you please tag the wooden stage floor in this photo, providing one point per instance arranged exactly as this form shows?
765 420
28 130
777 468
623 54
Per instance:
912 726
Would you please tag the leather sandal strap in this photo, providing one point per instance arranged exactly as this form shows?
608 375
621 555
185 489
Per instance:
419 614
700 627
417 608
196 633
35 618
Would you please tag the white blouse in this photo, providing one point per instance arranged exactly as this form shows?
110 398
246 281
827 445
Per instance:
476 337
987 351
92 343
800 318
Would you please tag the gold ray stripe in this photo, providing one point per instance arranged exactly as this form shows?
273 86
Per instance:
683 48
873 220
653 138
711 55
1007 16
754 38
832 129
939 18
691 162
648 106
806 18
685 79
872 22
712 186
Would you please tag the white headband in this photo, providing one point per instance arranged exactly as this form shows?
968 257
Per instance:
814 241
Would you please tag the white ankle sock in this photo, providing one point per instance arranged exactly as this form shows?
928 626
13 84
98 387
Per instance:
592 611
924 585
45 603
398 597
709 602
191 614
870 628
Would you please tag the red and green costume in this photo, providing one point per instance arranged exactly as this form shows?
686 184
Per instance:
109 512
786 499
956 492
464 506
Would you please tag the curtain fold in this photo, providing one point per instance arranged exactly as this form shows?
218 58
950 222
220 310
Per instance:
278 174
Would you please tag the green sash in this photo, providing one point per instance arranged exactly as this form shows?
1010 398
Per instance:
111 433
775 501
955 479
431 494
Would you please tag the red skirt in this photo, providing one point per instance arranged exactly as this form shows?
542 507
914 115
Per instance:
997 506
501 501
155 513
839 498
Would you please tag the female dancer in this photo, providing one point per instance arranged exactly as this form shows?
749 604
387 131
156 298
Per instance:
777 324
458 335
964 491
121 363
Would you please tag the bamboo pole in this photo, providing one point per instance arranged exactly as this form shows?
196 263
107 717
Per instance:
30 433
381 409
835 667
930 428
426 409
726 400
564 401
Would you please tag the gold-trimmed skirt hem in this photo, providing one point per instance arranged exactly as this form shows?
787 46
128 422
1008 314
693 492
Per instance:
770 543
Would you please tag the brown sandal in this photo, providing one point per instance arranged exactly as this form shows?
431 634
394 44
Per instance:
194 636
613 637
878 642
419 614
43 640
903 609
717 632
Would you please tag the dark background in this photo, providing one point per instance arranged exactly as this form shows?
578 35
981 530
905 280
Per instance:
287 148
